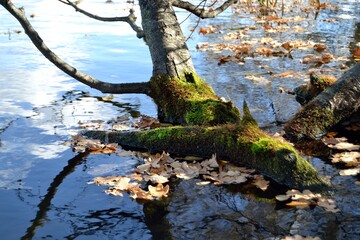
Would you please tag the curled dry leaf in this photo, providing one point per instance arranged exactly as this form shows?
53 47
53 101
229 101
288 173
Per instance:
159 191
138 193
261 183
345 146
210 163
155 178
350 159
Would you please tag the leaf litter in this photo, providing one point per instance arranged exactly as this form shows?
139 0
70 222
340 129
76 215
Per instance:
157 170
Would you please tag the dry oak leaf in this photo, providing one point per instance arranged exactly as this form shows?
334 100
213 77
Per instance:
319 47
138 193
261 183
159 191
156 178
110 180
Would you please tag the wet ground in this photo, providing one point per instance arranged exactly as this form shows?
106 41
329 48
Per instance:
43 184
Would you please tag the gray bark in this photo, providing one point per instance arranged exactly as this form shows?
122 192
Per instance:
169 52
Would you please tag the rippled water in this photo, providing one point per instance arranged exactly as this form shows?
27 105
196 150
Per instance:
43 184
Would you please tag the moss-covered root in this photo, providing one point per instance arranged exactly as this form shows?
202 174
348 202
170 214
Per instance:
190 101
244 145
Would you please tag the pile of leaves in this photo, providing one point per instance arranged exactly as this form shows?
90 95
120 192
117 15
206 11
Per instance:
295 198
151 179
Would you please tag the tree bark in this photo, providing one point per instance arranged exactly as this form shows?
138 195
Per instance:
335 104
169 52
181 96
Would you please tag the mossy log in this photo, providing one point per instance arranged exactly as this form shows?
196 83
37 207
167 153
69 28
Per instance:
243 143
335 104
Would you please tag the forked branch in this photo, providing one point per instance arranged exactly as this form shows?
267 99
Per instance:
200 12
130 19
104 87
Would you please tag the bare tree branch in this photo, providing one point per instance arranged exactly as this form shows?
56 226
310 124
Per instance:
104 87
130 19
202 13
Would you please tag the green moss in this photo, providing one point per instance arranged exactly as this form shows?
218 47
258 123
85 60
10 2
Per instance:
189 100
265 144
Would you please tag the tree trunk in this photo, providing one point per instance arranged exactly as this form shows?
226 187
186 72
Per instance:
243 143
169 52
180 95
335 104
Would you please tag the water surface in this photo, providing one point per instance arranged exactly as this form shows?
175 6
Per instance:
43 184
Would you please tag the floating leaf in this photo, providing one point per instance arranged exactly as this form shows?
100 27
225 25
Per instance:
155 178
349 158
124 184
345 146
138 193
261 183
203 183
282 198
349 172
298 204
159 191
110 180
114 192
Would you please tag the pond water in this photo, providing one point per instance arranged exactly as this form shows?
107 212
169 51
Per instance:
43 184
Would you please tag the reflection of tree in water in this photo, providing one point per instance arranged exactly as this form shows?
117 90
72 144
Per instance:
113 222
45 203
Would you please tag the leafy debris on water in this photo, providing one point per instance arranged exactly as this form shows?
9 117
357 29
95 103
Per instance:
295 198
159 168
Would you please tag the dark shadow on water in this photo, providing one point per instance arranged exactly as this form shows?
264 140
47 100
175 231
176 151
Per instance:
44 205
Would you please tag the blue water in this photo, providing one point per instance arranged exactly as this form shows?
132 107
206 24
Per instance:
43 184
